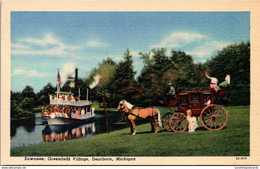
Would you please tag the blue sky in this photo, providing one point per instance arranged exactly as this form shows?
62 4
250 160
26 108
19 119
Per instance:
42 42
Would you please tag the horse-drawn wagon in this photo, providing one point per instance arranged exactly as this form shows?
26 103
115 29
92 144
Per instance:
211 115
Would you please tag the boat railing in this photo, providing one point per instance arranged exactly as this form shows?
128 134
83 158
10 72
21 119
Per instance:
70 103
85 116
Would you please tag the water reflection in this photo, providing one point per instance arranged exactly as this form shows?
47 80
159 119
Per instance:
27 124
37 131
67 132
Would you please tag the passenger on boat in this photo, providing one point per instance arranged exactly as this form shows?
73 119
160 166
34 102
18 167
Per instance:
63 109
72 98
72 113
51 109
59 109
70 108
82 111
50 96
76 113
66 97
67 111
63 96
55 109
43 110
92 109
60 97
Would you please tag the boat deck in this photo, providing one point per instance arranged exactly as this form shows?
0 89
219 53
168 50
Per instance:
70 103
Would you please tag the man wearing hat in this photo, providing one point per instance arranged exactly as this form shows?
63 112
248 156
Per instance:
172 90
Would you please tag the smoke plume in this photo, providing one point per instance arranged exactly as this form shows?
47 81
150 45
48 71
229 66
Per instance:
95 82
67 70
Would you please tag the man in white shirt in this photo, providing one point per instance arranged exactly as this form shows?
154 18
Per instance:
172 90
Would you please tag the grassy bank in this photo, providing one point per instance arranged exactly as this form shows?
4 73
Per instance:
233 140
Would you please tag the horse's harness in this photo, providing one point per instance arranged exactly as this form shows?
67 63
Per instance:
130 112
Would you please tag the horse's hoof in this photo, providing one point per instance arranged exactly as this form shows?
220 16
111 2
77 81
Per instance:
133 134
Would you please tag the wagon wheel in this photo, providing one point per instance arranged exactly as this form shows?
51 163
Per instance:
165 121
178 122
213 117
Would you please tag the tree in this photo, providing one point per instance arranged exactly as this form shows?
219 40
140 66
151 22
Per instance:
124 84
43 95
199 75
185 66
28 92
157 72
15 109
22 103
106 72
235 60
28 103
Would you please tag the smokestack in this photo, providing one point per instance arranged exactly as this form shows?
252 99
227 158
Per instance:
76 83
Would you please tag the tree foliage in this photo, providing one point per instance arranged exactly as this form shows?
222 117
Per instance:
22 103
118 80
235 60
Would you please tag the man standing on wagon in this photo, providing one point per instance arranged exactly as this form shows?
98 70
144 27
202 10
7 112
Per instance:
213 83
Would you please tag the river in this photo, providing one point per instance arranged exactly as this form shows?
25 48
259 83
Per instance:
36 131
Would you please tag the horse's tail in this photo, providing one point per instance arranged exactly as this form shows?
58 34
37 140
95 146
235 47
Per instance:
159 118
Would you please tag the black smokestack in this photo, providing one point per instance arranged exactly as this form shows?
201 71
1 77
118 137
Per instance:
76 83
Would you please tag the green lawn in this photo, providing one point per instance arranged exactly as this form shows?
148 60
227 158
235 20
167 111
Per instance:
233 140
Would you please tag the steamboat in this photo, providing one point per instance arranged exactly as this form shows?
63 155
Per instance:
66 107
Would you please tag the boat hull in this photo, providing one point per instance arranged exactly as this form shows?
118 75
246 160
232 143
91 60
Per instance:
63 120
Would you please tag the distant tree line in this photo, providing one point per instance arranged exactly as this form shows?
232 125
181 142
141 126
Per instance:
118 80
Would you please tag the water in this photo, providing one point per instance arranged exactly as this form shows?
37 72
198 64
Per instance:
36 131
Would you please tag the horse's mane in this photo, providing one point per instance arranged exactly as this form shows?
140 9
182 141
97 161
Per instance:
128 105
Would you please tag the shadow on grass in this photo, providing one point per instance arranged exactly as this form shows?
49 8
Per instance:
203 128
146 132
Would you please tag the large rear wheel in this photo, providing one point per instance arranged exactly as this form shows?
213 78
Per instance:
213 117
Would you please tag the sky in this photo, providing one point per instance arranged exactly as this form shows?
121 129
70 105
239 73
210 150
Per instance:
43 42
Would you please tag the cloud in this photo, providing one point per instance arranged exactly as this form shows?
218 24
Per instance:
58 52
19 46
19 71
97 43
48 39
208 48
29 73
199 46
178 39
48 45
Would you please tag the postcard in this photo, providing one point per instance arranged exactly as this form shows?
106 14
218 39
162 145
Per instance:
130 83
